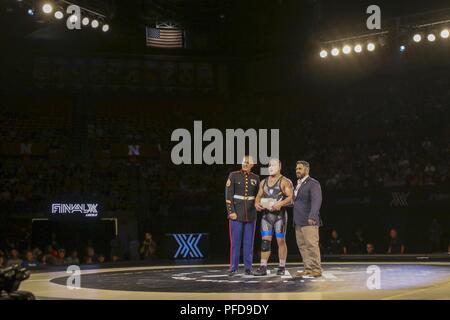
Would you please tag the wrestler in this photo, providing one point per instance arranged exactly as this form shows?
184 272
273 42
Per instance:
275 193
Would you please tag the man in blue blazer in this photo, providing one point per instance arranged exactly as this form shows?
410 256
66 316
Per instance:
307 202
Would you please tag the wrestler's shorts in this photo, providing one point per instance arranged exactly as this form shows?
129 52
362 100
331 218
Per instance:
271 223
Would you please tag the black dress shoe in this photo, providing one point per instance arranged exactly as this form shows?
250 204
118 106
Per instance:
281 271
262 271
248 272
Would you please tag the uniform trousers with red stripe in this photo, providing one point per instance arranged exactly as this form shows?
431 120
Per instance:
241 233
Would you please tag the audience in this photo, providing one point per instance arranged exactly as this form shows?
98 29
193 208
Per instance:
60 258
396 246
91 257
148 250
50 256
358 243
101 258
399 140
336 245
116 249
384 147
73 258
14 259
148 247
29 260
370 248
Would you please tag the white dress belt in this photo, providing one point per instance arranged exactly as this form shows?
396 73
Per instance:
243 198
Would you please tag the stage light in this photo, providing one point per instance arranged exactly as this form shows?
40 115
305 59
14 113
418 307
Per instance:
94 24
431 37
358 48
59 15
402 48
323 54
73 18
346 49
335 52
85 21
105 28
417 38
30 12
370 46
445 33
47 8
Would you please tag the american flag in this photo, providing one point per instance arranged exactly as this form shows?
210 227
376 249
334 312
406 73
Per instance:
164 37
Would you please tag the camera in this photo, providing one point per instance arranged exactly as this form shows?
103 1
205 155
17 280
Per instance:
10 279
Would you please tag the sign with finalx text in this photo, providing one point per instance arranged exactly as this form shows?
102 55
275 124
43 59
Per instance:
75 210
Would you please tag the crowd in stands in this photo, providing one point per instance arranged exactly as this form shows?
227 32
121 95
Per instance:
26 128
382 134
360 244
353 143
22 253
43 179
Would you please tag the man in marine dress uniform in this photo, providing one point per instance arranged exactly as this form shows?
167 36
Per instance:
240 191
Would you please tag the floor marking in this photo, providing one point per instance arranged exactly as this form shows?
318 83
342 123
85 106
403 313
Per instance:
287 275
328 275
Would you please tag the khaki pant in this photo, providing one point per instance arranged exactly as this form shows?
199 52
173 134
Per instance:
308 244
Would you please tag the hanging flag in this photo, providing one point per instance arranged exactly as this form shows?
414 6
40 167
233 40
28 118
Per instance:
165 37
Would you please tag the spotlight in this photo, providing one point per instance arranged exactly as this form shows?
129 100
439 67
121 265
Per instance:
47 8
445 34
323 54
431 37
346 49
335 52
73 18
370 46
402 48
85 21
59 14
417 38
30 12
105 28
358 48
94 24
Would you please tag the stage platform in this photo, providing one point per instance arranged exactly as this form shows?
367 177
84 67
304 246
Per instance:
421 277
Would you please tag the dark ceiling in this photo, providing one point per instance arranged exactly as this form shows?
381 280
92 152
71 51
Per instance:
223 25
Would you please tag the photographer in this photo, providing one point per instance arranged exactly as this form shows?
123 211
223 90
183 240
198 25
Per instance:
14 259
